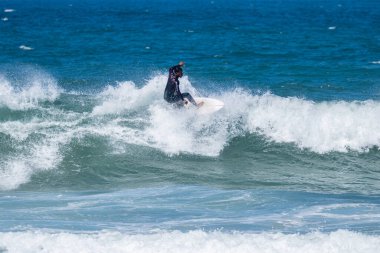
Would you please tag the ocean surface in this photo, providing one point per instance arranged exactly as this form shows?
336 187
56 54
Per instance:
92 159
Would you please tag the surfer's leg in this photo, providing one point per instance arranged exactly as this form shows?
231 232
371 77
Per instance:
172 99
190 98
175 101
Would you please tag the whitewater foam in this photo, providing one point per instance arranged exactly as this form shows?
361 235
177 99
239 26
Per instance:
161 126
176 131
33 89
127 114
41 155
126 96
193 241
37 145
319 126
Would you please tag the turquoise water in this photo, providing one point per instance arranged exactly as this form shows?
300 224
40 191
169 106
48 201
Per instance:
91 156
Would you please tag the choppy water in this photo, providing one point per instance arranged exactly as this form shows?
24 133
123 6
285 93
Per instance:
91 156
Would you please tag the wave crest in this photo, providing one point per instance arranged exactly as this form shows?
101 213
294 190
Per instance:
34 88
128 115
321 127
318 126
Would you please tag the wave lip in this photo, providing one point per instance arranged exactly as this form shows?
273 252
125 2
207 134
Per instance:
321 127
194 241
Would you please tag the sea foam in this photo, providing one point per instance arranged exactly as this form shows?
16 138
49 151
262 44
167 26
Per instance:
321 127
130 114
33 89
126 96
341 241
33 156
161 126
318 126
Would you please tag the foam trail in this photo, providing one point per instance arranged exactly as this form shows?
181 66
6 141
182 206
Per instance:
341 241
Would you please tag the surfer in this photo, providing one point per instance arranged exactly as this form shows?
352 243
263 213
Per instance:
172 93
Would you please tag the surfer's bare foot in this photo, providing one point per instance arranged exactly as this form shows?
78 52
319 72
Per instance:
200 104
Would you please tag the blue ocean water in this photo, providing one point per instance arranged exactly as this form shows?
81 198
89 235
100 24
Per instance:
92 159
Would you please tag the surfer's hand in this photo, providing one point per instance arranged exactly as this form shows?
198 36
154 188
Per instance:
185 102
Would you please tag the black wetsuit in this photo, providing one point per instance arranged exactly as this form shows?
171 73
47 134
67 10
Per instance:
172 93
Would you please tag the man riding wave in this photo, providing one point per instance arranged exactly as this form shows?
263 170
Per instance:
172 93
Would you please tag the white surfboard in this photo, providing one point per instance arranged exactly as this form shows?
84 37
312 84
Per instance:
210 105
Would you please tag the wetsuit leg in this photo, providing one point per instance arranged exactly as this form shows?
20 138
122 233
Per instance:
175 100
190 98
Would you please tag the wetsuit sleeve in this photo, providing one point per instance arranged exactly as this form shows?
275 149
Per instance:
177 89
172 75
